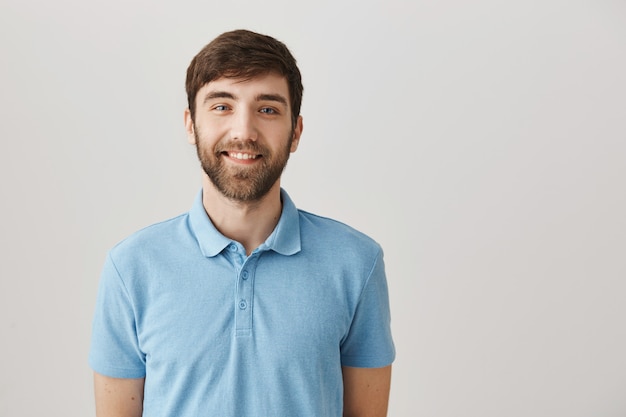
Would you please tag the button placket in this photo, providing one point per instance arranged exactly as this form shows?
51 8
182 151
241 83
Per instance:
244 298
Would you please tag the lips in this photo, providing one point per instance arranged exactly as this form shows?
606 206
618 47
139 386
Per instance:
242 155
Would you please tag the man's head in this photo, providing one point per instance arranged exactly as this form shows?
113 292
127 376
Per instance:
244 92
243 54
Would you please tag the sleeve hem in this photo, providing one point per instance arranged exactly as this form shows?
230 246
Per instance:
113 372
368 362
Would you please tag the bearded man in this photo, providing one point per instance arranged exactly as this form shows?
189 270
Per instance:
245 305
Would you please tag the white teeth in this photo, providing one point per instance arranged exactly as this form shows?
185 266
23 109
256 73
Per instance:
240 155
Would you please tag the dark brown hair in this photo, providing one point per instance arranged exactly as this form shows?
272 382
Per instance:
243 54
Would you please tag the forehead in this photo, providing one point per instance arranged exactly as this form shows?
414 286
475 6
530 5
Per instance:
247 88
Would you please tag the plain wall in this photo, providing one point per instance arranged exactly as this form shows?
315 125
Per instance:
481 143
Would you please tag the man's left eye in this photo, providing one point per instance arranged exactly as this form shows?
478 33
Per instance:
268 110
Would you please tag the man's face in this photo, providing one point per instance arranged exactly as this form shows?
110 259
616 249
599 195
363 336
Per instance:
243 134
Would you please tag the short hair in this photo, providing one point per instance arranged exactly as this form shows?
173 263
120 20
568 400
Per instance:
244 54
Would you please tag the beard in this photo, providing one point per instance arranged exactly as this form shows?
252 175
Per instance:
245 183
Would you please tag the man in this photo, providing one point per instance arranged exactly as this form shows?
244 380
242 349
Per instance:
245 305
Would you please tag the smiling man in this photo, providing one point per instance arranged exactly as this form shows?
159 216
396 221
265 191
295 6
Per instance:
245 305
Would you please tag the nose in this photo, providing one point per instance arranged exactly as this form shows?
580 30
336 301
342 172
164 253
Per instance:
243 126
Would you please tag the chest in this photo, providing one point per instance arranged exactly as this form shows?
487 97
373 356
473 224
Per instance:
220 312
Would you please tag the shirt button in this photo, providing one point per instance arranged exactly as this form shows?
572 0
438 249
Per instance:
243 304
244 275
233 247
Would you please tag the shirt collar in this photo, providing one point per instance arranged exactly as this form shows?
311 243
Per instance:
284 239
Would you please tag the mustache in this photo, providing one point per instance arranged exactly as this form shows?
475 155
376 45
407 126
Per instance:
248 146
245 146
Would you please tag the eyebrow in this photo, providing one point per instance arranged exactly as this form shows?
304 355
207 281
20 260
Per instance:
211 95
272 97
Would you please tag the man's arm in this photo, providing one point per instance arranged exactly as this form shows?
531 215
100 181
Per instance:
118 397
366 391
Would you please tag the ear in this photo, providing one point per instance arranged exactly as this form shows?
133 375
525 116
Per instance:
189 127
297 132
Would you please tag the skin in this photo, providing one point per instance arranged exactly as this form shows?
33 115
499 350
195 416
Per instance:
232 114
366 391
118 397
253 118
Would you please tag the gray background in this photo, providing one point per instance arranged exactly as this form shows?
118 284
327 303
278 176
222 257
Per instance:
481 143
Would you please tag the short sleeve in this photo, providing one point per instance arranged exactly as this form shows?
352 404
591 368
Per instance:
115 350
369 343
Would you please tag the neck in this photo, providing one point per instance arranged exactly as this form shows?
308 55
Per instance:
249 223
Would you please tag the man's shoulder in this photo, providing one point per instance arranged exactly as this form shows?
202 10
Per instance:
330 231
154 236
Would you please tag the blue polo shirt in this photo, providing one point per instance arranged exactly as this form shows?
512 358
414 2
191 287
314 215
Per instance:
218 333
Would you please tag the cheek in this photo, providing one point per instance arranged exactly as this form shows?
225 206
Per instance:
209 133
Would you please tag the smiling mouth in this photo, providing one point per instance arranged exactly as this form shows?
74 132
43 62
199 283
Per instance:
241 155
